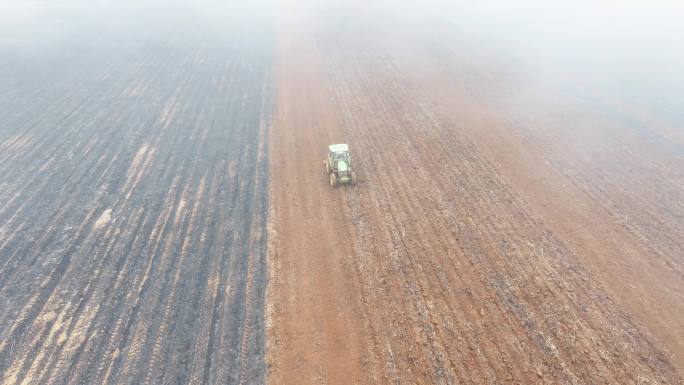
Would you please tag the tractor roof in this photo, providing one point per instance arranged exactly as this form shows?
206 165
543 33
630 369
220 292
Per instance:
338 147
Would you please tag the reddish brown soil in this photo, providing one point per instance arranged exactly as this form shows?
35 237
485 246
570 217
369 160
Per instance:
492 239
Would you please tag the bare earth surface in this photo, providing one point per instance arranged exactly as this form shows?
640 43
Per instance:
495 237
165 217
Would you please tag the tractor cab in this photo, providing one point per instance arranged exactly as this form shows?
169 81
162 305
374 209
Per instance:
339 152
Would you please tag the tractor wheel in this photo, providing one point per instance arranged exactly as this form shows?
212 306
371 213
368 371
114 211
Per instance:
333 180
327 167
353 178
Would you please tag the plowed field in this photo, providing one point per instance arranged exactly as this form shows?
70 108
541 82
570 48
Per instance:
494 237
165 217
133 200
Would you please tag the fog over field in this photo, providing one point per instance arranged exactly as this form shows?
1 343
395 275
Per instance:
165 217
630 48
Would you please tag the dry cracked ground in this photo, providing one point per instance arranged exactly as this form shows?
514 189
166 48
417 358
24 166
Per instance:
165 218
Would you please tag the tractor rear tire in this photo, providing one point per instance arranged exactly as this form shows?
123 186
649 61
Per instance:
333 180
327 167
353 178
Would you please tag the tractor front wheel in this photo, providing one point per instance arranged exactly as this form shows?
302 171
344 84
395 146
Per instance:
333 180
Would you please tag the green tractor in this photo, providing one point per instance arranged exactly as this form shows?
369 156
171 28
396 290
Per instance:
338 165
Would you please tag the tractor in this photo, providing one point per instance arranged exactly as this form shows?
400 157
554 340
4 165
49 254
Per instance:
338 165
